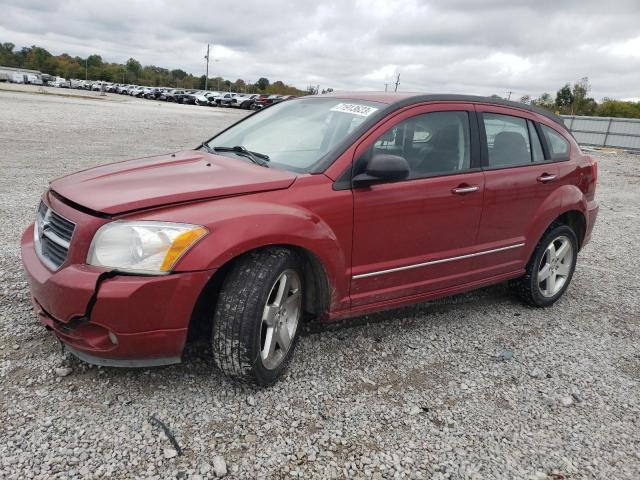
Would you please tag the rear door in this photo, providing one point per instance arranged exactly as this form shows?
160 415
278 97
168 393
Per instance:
412 237
518 182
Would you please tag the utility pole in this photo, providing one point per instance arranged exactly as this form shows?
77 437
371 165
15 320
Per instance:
86 68
206 78
509 97
386 85
397 82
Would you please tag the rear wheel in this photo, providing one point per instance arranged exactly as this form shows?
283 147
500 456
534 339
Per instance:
551 267
257 317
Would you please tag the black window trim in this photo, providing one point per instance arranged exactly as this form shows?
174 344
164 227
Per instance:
543 140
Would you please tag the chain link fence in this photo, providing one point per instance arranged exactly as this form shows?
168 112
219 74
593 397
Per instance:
605 131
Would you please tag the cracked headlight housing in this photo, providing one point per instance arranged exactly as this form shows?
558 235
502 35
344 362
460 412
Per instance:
144 247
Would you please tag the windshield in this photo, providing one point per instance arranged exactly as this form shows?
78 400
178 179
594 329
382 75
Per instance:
297 134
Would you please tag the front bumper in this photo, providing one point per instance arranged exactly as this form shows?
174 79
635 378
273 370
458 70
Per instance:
110 319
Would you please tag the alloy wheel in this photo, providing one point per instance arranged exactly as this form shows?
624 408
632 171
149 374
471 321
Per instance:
555 266
280 319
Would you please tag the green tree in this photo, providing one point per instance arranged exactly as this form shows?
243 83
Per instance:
544 101
582 103
8 57
262 83
36 58
564 99
134 68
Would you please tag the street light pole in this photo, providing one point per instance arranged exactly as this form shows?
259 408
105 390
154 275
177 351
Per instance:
206 78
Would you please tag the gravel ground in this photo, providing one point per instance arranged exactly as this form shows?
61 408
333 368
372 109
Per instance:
473 386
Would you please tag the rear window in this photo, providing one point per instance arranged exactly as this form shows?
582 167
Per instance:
558 145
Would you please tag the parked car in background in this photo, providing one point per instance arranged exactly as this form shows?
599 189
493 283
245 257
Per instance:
34 79
239 99
265 100
201 98
211 97
59 82
152 93
320 207
136 91
224 98
189 99
176 96
165 93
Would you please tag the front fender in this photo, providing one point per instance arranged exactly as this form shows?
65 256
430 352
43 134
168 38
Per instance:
240 224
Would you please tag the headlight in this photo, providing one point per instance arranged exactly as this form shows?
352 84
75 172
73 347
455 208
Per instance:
142 246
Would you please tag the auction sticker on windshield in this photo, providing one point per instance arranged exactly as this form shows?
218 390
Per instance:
354 109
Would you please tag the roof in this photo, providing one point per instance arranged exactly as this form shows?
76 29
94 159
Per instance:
402 99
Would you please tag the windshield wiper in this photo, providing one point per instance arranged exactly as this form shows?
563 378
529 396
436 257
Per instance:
257 158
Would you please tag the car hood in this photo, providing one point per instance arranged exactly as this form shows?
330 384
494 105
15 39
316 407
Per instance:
166 179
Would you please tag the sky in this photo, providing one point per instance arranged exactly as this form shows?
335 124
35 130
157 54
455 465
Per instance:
440 46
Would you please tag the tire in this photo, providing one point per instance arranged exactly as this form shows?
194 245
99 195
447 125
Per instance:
259 306
550 269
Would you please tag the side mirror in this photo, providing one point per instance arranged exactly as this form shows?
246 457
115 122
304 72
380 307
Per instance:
382 168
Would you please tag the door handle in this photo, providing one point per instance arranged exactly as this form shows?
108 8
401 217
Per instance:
461 190
546 178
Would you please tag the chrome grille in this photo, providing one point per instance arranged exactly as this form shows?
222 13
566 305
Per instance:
52 235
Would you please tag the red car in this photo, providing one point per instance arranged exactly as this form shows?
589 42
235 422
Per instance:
320 207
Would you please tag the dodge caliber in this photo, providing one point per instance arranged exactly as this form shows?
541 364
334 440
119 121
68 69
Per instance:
322 207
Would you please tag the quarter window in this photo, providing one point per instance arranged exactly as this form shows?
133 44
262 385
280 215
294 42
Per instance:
507 140
558 145
433 144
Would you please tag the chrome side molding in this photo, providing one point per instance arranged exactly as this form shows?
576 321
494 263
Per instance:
435 262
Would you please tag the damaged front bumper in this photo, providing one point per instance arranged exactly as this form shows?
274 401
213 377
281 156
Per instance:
110 319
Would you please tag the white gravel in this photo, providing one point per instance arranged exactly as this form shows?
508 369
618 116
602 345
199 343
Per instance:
474 386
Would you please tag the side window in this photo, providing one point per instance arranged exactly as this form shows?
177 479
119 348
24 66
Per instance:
433 143
558 145
507 140
536 146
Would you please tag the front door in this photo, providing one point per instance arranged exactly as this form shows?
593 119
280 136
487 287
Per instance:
413 236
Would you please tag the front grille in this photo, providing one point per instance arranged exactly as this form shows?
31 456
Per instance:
52 235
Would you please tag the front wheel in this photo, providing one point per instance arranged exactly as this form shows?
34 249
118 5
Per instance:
258 315
549 272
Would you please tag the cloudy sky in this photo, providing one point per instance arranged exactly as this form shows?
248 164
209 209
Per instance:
463 46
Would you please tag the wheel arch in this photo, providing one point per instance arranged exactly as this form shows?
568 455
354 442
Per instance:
317 291
574 219
577 221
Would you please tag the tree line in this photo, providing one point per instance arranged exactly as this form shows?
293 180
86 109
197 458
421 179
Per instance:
575 100
569 100
94 67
